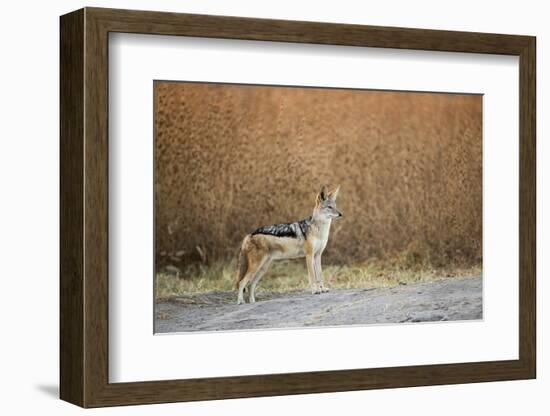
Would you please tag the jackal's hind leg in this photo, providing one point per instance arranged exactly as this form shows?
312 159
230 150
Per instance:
244 283
256 279
255 259
242 287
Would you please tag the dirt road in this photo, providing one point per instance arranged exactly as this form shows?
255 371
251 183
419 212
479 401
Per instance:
447 299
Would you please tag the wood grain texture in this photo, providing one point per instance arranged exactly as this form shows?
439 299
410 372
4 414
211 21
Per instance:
84 207
226 27
96 218
71 208
527 208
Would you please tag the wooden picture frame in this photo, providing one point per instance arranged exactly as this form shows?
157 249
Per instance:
84 207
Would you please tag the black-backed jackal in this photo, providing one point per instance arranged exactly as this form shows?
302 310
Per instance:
306 238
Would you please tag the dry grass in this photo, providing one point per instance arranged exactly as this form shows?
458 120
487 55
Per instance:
285 276
232 158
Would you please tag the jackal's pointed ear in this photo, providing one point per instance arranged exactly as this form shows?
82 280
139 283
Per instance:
322 195
334 193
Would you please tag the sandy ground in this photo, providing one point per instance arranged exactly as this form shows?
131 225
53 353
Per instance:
448 299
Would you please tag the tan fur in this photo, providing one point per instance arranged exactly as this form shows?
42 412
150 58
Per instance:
242 263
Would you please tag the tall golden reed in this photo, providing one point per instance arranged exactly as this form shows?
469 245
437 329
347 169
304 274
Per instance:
231 158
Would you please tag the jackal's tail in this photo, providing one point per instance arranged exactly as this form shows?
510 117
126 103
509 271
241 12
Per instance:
241 263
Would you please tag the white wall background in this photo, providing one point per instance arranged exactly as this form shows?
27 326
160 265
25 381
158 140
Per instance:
29 159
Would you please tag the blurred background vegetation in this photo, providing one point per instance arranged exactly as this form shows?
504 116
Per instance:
230 158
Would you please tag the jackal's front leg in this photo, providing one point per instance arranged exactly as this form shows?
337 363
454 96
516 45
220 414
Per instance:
310 261
319 274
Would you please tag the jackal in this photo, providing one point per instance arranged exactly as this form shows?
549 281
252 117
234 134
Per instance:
306 238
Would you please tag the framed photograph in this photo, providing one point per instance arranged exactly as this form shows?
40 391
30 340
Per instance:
254 207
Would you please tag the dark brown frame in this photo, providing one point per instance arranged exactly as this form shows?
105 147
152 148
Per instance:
84 210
